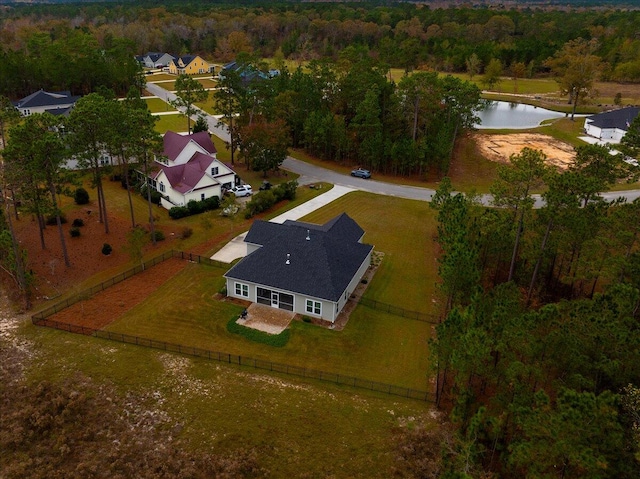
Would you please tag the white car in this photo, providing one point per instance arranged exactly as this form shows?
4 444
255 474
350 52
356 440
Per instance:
242 190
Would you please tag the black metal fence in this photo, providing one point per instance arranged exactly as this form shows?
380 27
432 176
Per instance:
261 364
397 311
40 319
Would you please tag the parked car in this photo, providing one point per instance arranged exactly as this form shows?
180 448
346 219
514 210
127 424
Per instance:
242 190
266 185
360 173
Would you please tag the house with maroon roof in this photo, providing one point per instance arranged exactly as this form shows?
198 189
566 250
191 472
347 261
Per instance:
189 170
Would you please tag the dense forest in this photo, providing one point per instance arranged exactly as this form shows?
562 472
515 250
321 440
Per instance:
537 358
40 39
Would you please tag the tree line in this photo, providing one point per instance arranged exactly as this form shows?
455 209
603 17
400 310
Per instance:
404 35
537 356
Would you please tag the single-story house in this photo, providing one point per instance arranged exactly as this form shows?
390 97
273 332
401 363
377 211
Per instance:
155 59
248 73
189 170
189 65
301 267
610 126
56 103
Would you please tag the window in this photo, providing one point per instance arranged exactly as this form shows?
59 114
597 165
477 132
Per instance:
214 170
161 187
201 196
313 307
242 290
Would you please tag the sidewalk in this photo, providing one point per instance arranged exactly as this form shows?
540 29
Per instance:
237 248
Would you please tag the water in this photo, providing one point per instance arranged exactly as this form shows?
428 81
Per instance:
502 114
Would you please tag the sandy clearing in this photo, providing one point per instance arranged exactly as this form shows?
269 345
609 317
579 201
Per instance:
500 147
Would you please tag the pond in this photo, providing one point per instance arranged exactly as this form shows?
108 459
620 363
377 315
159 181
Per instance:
502 114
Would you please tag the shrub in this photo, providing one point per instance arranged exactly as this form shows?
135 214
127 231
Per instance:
178 212
364 281
306 319
287 191
106 249
186 233
74 232
52 220
77 223
223 290
81 196
156 196
276 340
260 202
212 203
195 207
159 235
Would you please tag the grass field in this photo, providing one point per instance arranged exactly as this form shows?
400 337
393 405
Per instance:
176 122
157 105
318 428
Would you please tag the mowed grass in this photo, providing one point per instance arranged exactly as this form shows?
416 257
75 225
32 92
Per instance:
157 105
176 122
294 426
374 345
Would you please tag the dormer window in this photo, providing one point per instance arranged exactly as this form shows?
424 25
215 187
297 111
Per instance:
214 170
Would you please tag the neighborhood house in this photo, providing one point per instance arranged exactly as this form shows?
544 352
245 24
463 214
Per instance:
56 103
189 65
610 126
155 59
301 267
189 170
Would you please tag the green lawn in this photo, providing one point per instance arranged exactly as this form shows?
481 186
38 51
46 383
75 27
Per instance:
157 105
374 345
176 122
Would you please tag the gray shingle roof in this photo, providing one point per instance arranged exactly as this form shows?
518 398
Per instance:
320 267
45 98
620 119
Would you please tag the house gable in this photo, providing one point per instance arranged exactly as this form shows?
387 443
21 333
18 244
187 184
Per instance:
180 148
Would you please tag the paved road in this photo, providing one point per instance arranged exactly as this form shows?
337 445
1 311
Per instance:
311 173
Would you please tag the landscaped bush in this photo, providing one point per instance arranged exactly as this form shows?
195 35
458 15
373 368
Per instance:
286 191
77 223
106 249
52 220
260 202
186 233
194 207
276 340
74 232
264 200
159 235
81 196
178 212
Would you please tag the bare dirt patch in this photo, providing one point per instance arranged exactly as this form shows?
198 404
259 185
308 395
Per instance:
499 148
108 305
52 277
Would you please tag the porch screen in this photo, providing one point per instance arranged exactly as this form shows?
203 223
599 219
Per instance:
264 296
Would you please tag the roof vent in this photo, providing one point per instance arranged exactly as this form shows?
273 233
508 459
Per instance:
287 262
307 238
